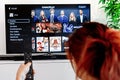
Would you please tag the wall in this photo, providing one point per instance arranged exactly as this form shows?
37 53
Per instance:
44 70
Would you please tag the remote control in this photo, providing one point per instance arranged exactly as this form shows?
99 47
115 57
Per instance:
28 58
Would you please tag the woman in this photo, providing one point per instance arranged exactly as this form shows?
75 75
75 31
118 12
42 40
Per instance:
72 17
94 52
42 17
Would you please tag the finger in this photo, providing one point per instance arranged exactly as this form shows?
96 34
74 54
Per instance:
33 71
27 66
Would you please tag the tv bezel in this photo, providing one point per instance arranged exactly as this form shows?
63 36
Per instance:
42 53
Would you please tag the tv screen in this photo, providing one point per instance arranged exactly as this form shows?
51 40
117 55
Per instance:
42 28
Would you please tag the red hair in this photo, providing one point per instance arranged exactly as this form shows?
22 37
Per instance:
96 51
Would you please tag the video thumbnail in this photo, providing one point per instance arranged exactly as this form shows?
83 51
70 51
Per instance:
48 28
55 44
42 44
33 44
64 40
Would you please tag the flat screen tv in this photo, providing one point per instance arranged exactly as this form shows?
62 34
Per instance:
42 28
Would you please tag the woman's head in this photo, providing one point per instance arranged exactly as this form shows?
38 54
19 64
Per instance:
72 17
94 49
42 13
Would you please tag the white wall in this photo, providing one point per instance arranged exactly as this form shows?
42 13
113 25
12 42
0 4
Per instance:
97 14
44 70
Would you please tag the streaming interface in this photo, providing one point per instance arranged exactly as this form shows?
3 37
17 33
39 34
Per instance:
42 28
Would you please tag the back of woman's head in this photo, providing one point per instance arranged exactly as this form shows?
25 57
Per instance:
95 49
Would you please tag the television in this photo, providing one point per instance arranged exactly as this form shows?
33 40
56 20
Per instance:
42 28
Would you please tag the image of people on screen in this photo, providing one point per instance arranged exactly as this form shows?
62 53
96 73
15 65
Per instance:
52 17
42 28
42 17
62 18
34 18
55 27
72 18
38 28
42 44
55 44
69 19
81 18
48 27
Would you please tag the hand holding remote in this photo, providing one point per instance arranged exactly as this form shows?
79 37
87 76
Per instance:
28 58
22 71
